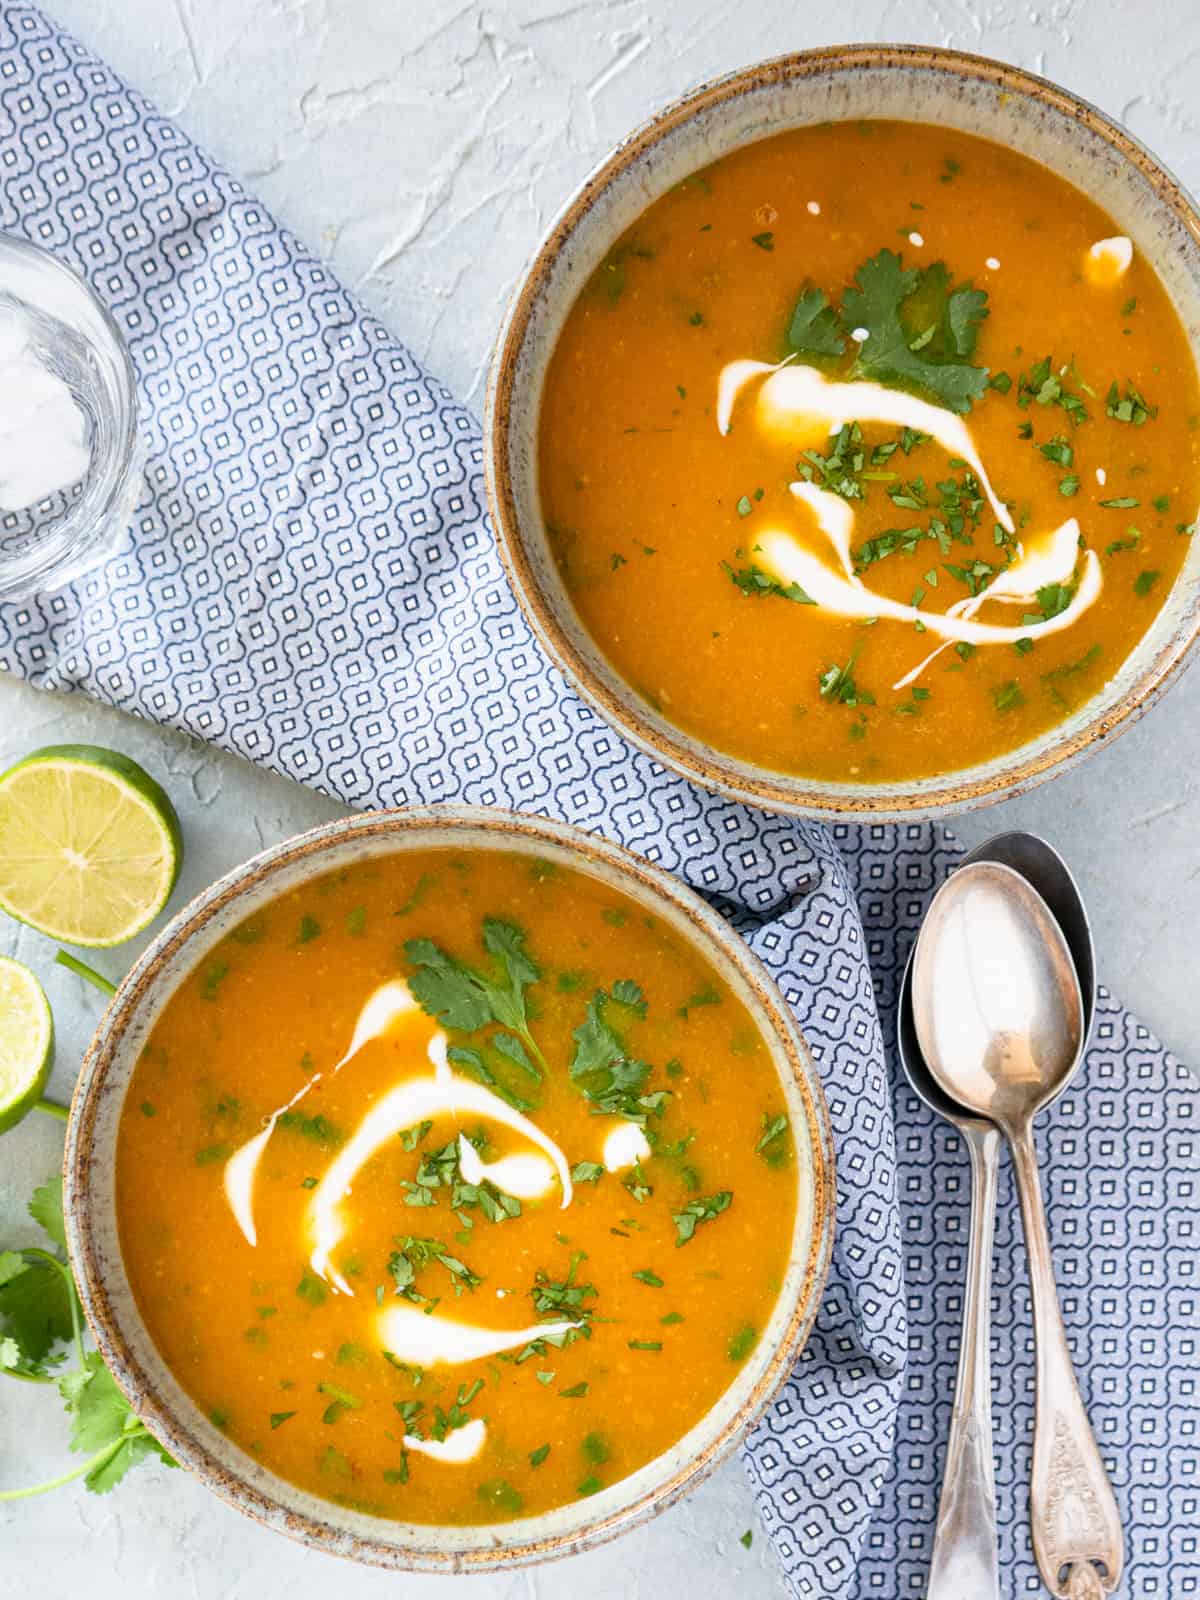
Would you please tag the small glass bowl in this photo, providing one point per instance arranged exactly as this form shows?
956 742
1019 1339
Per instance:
50 320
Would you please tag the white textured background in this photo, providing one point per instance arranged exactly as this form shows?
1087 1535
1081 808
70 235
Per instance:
421 148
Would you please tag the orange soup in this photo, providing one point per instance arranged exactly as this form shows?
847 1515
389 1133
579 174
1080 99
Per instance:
942 523
455 1186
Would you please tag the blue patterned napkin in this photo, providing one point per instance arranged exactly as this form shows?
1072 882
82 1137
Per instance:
310 580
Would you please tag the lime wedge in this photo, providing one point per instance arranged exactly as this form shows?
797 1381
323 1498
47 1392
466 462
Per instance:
89 844
26 1041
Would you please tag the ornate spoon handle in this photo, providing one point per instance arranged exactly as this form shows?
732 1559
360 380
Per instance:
1077 1536
965 1560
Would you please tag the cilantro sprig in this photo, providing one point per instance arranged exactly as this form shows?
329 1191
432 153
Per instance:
602 1067
912 328
40 1313
464 999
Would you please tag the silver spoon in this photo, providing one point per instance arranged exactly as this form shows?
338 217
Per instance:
965 1559
1000 1018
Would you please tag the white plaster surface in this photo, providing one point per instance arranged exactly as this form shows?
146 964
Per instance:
421 149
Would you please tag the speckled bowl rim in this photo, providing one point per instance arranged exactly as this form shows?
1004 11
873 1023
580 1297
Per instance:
717 771
444 825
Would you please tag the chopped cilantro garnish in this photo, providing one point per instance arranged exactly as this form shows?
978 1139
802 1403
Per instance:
837 684
1054 598
698 1211
1131 407
1045 385
752 580
1124 502
648 1277
1008 696
1145 581
769 1146
500 1495
414 1255
536 1457
1059 451
764 241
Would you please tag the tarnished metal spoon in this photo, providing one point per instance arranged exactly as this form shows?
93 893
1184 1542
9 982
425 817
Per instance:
999 1017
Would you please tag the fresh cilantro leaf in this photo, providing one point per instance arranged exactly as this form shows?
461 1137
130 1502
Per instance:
472 1060
99 1408
462 998
939 367
36 1310
447 990
814 328
113 1464
46 1209
604 1070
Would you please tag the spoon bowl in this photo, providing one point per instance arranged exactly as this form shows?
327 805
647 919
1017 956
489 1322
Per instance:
996 1001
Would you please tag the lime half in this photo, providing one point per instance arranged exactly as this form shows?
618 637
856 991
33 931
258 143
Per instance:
89 844
26 1041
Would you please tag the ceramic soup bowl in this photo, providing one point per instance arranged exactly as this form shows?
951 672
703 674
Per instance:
174 1417
906 83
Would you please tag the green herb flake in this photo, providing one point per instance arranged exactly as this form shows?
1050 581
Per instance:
214 976
312 1289
1131 407
648 1277
742 1343
536 1457
1145 581
764 241
500 1495
698 1211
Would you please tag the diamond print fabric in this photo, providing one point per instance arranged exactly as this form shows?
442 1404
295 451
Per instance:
310 581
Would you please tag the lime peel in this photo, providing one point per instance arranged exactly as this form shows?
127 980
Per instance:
26 1041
